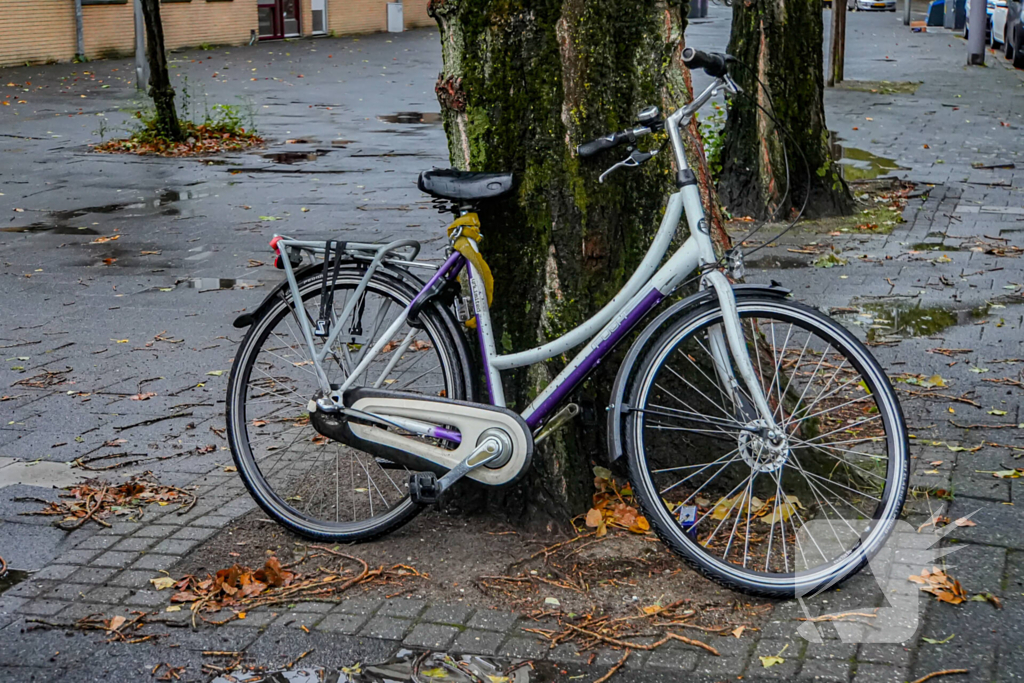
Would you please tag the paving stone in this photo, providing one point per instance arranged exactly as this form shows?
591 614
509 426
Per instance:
172 546
132 579
213 521
884 653
93 574
294 619
826 669
256 619
347 624
110 595
388 628
492 620
114 559
154 562
360 606
193 533
120 529
314 607
42 607
671 657
447 614
68 592
881 673
407 609
148 598
431 637
476 642
29 589
134 544
98 542
831 650
155 531
523 648
55 571
81 557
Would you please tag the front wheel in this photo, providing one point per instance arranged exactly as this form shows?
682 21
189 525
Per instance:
773 514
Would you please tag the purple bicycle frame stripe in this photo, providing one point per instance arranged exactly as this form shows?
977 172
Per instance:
441 272
448 434
591 361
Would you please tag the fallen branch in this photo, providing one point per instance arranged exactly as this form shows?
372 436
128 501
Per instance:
152 421
944 672
652 646
618 665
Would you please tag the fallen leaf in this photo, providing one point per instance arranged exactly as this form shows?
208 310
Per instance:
143 397
116 623
932 641
230 468
173 608
594 517
738 631
162 582
215 373
963 521
997 412
104 239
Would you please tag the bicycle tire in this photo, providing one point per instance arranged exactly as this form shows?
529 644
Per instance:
672 533
437 323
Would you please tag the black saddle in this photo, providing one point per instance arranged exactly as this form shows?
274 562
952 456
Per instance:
465 186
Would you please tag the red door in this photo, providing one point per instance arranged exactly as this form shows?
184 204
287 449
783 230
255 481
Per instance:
278 19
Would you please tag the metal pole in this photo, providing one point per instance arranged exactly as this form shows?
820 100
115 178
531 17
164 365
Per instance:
141 64
79 33
906 12
978 21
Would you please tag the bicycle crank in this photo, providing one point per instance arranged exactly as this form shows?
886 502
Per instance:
373 418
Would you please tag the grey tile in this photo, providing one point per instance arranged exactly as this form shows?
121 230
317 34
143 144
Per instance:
172 546
476 642
193 533
388 628
347 624
114 559
56 571
134 543
361 606
154 562
880 673
447 614
110 595
407 609
431 637
492 620
43 607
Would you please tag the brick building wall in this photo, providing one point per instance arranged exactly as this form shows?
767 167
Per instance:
44 30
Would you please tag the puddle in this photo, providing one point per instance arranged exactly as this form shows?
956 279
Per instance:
295 157
933 246
859 164
210 284
408 666
890 320
774 262
11 578
55 229
411 117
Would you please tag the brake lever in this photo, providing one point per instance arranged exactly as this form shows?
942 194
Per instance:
731 85
632 161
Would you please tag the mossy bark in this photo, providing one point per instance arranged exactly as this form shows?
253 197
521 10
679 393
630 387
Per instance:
524 82
160 88
780 42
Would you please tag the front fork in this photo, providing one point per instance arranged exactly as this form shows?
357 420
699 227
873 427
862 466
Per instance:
731 343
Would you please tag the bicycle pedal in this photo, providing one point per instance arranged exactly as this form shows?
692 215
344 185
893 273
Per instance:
423 488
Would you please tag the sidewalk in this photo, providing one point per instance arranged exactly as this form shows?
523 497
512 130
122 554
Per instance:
947 279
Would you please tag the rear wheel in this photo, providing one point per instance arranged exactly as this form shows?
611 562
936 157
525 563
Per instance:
780 516
316 487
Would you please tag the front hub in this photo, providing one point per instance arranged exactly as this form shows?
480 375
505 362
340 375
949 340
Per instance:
763 450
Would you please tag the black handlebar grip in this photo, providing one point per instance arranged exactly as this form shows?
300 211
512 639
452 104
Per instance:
588 149
713 63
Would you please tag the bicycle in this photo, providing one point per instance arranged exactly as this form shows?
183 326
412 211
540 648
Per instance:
764 443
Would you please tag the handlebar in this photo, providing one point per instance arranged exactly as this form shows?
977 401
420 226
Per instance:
715 64
589 149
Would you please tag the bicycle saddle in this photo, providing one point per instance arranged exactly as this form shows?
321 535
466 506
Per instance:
450 183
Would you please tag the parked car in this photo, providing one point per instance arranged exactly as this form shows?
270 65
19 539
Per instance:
871 5
1000 14
1013 35
990 6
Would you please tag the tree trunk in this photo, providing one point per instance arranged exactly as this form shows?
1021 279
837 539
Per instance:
837 46
524 82
780 43
160 88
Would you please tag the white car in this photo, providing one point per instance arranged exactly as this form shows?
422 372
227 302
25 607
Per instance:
1002 18
871 5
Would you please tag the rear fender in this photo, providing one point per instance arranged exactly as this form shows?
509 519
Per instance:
629 363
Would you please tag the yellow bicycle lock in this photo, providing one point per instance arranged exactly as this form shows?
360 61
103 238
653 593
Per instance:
466 228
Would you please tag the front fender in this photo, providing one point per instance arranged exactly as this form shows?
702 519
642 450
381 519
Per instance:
629 363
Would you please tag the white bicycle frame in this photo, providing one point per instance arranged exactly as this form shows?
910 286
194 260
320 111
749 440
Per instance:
644 290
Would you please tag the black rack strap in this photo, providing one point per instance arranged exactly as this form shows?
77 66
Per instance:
328 283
